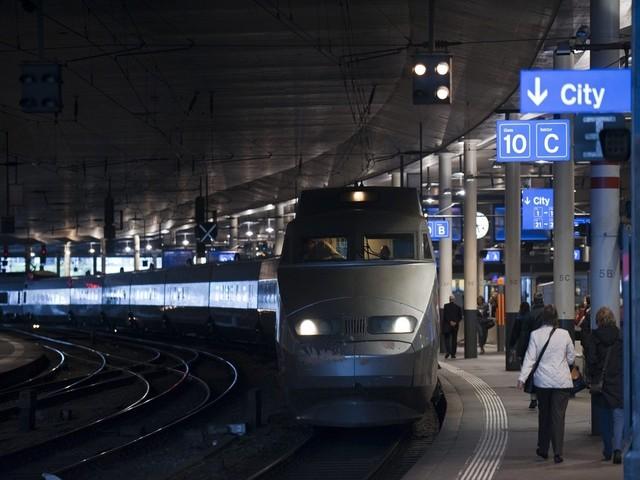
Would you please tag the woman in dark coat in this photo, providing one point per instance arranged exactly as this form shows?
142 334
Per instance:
483 318
603 353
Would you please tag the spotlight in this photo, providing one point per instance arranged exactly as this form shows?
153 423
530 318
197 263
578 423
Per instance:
419 69
127 249
442 68
249 233
148 246
442 93
92 250
185 242
269 229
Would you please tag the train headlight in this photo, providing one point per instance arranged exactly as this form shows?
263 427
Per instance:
392 324
308 327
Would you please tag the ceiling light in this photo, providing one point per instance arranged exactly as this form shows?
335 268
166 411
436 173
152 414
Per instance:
92 250
185 242
442 92
419 69
461 193
127 249
431 200
249 233
33 254
442 68
164 231
457 175
148 246
269 229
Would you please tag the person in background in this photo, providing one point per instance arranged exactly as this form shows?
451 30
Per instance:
483 318
533 322
385 253
521 319
603 353
451 318
583 317
493 304
552 380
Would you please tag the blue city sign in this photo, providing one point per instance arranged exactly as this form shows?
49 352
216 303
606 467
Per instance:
537 209
438 229
575 91
526 141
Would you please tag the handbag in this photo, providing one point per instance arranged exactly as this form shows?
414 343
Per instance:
529 387
489 323
578 380
595 388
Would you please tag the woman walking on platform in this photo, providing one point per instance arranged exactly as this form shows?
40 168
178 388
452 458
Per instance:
548 356
603 352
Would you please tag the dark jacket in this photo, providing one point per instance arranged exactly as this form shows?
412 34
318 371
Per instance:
451 313
532 322
595 351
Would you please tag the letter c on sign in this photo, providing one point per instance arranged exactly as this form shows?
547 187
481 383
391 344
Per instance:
547 143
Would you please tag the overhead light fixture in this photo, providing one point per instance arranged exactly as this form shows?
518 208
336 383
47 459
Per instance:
419 69
92 250
269 228
127 248
164 231
148 246
442 68
457 175
33 254
185 241
249 233
442 93
430 200
461 193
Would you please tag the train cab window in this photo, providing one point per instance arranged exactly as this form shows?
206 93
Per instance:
388 247
321 249
426 245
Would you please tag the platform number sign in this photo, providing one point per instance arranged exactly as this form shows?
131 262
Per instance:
526 141
438 229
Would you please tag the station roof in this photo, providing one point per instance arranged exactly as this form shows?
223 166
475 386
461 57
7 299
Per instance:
250 100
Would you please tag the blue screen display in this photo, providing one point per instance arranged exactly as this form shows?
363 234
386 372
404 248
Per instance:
493 256
454 215
525 235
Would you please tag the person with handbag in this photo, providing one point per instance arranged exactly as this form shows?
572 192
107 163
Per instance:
603 353
545 369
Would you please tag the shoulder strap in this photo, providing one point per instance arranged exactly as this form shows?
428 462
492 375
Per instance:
535 367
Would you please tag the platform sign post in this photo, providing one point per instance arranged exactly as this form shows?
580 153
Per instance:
537 209
575 91
527 141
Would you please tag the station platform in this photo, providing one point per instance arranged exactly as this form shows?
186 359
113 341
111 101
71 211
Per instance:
490 433
19 359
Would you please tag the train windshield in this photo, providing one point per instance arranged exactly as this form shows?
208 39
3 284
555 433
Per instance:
322 249
388 247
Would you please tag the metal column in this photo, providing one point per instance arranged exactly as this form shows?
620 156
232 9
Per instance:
632 330
480 268
513 292
233 239
605 179
563 203
67 259
279 229
103 255
136 253
445 273
470 251
396 179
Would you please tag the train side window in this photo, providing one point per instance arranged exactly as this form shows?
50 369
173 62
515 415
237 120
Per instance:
4 298
388 247
426 247
321 249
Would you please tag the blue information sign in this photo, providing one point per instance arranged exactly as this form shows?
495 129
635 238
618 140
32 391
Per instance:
575 91
493 256
523 141
438 229
537 209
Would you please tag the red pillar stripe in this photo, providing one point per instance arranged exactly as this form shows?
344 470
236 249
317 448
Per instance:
605 182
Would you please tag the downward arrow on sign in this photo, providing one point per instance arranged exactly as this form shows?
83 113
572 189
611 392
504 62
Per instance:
527 201
537 96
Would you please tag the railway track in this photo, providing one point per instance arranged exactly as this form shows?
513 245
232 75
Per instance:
173 394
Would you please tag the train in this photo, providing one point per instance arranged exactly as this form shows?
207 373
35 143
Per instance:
235 300
350 306
358 321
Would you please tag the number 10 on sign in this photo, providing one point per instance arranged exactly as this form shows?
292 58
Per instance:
522 141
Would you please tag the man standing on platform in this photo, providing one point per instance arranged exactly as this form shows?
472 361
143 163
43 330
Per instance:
451 318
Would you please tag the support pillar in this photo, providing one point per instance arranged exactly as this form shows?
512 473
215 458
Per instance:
631 333
605 179
445 267
136 253
513 294
470 250
564 285
480 267
279 229
604 278
103 255
233 239
67 259
396 179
